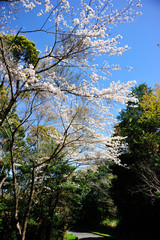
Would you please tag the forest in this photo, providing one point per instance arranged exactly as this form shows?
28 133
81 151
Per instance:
65 163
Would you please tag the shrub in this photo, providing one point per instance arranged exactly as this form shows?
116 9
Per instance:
70 236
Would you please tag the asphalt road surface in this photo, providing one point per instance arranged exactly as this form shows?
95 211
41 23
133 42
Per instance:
86 236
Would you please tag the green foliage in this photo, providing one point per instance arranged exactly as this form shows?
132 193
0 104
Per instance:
96 202
54 203
134 190
22 48
150 120
103 234
3 98
70 236
129 125
32 222
110 222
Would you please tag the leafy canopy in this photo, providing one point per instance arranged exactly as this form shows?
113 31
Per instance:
22 48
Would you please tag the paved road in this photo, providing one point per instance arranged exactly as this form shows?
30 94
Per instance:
86 236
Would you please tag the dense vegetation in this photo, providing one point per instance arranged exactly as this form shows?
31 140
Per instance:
58 168
136 188
118 199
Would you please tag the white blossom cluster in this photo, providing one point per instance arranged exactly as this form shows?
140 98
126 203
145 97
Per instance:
83 131
77 106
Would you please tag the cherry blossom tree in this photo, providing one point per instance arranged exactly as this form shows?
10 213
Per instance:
62 86
80 39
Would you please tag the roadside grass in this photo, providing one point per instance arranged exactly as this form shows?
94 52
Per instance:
70 236
103 235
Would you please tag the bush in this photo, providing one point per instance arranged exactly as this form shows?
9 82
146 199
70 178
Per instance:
69 236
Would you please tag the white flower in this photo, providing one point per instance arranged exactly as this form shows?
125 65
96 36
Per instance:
38 2
66 5
48 8
39 14
76 21
29 6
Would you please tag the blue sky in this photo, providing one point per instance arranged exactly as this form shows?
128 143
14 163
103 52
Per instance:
142 36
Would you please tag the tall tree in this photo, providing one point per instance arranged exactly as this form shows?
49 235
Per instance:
128 121
150 143
140 125
61 87
139 195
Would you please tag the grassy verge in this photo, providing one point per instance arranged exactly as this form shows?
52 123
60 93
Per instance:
107 236
70 236
103 234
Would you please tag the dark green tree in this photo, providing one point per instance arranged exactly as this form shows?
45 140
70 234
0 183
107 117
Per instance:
136 198
97 208
128 125
22 48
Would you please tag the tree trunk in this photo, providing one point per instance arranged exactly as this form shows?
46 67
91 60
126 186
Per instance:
16 198
29 205
3 179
